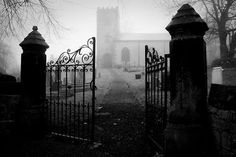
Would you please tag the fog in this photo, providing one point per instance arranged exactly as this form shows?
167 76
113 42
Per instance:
78 19
78 22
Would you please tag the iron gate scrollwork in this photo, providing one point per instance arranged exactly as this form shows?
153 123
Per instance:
70 93
157 96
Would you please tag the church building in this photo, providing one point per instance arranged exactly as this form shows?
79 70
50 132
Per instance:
112 43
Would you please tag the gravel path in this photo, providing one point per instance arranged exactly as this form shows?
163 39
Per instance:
120 122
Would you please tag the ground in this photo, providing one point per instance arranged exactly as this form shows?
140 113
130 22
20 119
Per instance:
119 129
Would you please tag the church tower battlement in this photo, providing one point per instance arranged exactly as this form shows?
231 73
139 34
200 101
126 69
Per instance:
108 29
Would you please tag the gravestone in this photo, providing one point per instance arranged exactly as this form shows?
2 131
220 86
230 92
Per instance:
217 75
137 76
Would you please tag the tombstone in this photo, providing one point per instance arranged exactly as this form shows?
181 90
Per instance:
71 76
7 78
79 78
217 75
58 74
137 76
8 85
64 81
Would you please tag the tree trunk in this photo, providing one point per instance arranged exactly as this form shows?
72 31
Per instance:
232 45
223 44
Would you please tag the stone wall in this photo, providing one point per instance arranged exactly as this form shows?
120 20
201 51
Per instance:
222 109
224 127
9 100
8 104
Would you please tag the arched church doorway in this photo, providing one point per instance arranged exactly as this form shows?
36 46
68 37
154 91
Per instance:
125 57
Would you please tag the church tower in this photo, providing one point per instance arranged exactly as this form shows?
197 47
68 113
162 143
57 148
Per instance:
108 25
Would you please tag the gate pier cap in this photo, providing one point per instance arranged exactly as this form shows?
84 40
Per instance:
186 22
34 40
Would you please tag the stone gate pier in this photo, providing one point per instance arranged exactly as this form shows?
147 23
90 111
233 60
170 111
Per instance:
188 130
30 117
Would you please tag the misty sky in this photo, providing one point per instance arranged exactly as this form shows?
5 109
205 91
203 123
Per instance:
79 19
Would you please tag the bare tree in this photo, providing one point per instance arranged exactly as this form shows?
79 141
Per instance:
220 16
16 13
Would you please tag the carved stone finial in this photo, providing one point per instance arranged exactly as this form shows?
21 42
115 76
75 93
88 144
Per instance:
187 20
34 38
35 28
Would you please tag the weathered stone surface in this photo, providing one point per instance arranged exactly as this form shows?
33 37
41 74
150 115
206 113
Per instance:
10 88
233 143
218 138
226 140
226 153
7 128
8 104
224 129
223 97
7 78
229 75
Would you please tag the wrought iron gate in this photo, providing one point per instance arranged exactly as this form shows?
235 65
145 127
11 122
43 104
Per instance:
70 93
157 96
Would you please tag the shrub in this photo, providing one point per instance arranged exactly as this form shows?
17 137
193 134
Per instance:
224 63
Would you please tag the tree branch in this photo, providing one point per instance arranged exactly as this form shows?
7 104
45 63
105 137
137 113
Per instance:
15 13
215 11
206 7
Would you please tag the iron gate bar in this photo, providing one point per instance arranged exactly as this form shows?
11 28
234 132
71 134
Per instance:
66 69
58 83
79 118
62 119
83 105
167 57
162 114
156 69
94 88
74 83
88 117
70 119
74 119
146 114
